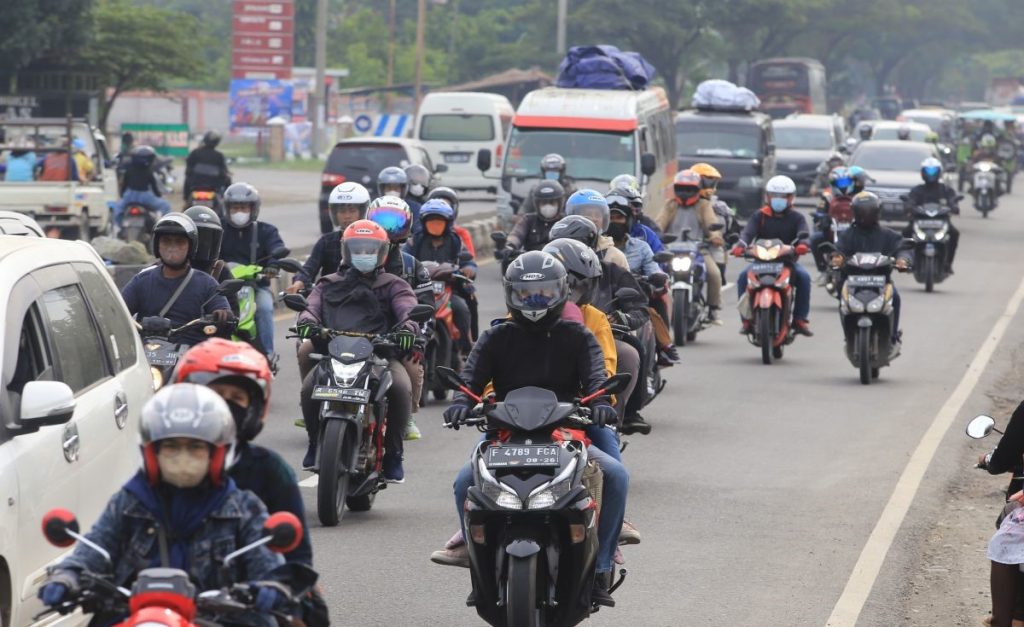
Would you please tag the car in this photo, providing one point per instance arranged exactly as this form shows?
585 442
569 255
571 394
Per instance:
886 130
895 167
75 379
804 142
360 159
14 223
940 121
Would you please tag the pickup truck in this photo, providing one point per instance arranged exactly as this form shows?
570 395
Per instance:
79 209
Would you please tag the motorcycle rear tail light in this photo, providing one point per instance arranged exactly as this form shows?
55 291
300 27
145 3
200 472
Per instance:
577 533
476 532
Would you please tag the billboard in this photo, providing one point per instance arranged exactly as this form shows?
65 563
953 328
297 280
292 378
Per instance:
253 102
170 140
262 42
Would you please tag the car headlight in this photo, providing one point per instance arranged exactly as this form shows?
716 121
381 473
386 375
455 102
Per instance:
158 377
875 306
681 264
346 373
750 182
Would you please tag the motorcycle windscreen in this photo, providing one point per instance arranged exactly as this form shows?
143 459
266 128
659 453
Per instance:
349 350
530 409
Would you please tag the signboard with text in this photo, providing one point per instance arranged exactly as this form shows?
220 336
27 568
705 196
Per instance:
262 44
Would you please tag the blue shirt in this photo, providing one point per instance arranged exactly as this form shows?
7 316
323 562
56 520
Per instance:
148 292
20 168
646 233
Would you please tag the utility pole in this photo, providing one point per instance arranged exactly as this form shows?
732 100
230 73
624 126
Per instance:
391 52
563 9
453 32
319 88
421 18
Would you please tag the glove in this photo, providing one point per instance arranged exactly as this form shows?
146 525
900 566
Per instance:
603 415
455 415
619 318
405 339
53 594
737 251
306 331
267 598
221 315
802 249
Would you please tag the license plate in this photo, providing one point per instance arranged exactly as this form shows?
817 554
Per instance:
342 395
161 359
522 456
767 268
842 226
456 157
866 280
930 224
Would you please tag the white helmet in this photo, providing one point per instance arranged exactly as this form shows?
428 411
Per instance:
780 185
347 194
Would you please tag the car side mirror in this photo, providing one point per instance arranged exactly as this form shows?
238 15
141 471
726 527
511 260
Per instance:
295 302
648 164
421 313
483 160
769 149
980 426
45 403
440 168
284 531
230 287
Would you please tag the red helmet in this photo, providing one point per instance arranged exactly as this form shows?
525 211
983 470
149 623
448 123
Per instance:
361 238
222 361
687 186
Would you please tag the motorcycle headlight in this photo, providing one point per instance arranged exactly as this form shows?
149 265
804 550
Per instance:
346 373
503 496
766 254
681 264
941 233
919 232
548 494
855 305
876 305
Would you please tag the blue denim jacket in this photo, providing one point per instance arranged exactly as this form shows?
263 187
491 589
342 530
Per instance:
128 530
640 258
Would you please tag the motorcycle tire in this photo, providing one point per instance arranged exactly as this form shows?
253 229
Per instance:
521 597
429 364
864 354
680 318
332 488
765 335
442 356
132 234
929 274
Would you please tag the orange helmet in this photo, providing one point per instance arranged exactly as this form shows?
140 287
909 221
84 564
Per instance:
364 246
709 177
687 185
222 361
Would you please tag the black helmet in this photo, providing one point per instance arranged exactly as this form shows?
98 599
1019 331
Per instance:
622 207
419 179
626 198
582 266
176 224
242 194
866 209
211 139
552 163
393 175
127 139
210 233
143 155
865 131
579 228
448 195
536 288
903 132
547 194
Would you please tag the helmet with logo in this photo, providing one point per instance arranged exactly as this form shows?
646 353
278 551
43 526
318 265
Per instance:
176 224
211 233
709 178
393 215
582 267
866 209
346 195
187 410
236 363
393 175
242 195
931 170
578 228
687 186
591 204
434 210
548 197
419 179
364 246
840 181
536 289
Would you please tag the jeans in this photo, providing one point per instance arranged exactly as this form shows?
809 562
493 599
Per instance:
817 239
628 362
802 283
145 198
461 316
895 314
613 503
265 318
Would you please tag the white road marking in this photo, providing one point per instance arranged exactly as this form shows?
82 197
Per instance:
310 482
848 608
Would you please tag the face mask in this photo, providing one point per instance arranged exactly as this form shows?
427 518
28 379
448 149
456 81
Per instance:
240 218
364 263
547 211
435 227
238 412
550 175
617 230
182 469
417 190
779 205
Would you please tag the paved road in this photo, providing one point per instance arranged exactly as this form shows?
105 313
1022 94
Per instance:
756 491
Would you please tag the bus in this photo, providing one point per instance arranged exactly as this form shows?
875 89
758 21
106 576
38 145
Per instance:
788 85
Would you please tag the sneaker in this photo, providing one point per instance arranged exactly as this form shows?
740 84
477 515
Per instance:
600 595
392 469
713 317
635 423
619 558
300 422
455 541
628 534
458 556
803 328
309 461
745 326
413 432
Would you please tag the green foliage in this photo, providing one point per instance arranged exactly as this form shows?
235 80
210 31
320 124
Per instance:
32 29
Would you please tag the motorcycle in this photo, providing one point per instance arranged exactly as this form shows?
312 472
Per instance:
251 275
506 257
137 224
165 597
442 346
768 301
162 170
351 385
644 341
930 227
985 188
531 514
207 198
686 262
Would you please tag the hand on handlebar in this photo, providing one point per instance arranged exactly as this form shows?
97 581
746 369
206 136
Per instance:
308 331
221 316
802 249
54 593
603 415
295 287
267 598
404 339
455 415
737 250
902 265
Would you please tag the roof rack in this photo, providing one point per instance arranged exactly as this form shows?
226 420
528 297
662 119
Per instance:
719 109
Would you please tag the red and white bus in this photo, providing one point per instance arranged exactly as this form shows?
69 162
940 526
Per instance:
788 85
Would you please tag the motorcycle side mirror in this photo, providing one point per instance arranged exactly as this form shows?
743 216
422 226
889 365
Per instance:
616 383
627 297
716 227
58 524
230 287
802 235
827 247
295 302
980 427
658 279
648 164
663 256
156 325
289 265
499 237
284 531
668 238
280 253
907 244
450 378
959 197
685 235
905 197
421 313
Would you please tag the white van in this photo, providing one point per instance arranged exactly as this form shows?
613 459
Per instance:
453 126
600 133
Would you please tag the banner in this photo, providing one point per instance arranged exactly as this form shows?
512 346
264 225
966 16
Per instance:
253 102
169 140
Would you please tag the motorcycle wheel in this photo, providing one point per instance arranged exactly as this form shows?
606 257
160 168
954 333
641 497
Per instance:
864 350
443 356
429 363
332 488
929 274
132 234
680 319
521 604
765 335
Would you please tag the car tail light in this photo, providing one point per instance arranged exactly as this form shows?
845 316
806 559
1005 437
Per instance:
331 179
197 195
56 209
497 153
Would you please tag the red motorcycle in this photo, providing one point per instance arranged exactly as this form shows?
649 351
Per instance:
768 302
165 597
443 345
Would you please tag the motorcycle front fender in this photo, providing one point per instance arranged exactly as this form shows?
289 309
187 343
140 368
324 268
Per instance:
385 384
864 322
522 548
766 299
681 286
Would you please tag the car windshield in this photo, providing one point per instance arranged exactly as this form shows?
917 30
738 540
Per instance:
457 127
889 157
368 158
892 132
716 140
590 155
795 138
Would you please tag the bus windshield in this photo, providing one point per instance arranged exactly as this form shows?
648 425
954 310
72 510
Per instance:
589 155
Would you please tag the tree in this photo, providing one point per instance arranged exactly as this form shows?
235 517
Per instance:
33 29
137 47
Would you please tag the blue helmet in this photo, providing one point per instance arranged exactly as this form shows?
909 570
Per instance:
437 208
931 169
591 204
860 178
841 181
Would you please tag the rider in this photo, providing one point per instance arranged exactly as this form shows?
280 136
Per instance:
448 195
779 220
181 509
437 242
207 255
124 156
552 168
172 288
531 232
867 236
247 241
627 196
206 168
347 203
833 205
822 180
537 348
592 205
419 186
709 179
934 190
362 298
642 219
903 132
139 185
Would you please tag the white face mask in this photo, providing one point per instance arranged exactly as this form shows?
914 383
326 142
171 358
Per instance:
181 468
417 190
547 210
240 218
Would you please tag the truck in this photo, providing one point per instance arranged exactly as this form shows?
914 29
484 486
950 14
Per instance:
81 208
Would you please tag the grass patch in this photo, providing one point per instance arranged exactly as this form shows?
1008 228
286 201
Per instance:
299 165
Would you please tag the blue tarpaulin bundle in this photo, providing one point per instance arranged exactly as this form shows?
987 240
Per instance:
604 67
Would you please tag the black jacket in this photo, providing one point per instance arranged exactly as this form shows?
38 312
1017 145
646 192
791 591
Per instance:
409 268
565 359
613 278
933 192
766 224
139 178
1008 456
324 259
858 239
205 168
531 232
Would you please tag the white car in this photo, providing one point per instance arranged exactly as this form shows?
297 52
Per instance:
74 380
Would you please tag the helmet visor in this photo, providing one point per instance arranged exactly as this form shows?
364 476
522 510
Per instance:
618 202
363 246
844 183
595 213
932 171
537 295
394 221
